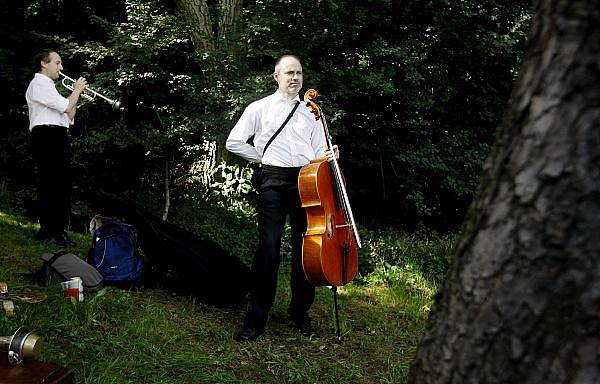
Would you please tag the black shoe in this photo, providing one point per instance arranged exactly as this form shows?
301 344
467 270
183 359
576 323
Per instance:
61 240
58 241
309 331
67 239
247 333
42 235
304 326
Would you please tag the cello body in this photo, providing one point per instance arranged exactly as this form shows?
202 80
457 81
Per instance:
329 251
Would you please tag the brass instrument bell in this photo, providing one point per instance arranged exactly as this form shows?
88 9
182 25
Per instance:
21 345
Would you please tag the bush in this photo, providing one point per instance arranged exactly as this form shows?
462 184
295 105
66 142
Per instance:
424 251
233 229
22 202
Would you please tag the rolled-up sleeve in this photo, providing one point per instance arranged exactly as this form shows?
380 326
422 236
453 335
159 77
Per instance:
239 135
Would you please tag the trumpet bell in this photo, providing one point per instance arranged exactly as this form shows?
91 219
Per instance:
21 345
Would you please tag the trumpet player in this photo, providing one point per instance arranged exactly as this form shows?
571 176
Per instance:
50 116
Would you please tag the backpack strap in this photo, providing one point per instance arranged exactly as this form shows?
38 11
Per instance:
56 256
52 260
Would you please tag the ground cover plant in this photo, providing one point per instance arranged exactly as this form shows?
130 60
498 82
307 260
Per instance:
156 336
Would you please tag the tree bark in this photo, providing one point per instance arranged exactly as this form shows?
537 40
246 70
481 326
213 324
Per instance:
230 13
521 301
165 214
197 16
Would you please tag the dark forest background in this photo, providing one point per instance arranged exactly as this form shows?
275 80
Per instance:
413 90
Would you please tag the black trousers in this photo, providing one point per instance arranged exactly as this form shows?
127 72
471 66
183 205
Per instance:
50 146
277 198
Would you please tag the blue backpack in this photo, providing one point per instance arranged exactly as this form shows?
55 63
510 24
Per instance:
114 253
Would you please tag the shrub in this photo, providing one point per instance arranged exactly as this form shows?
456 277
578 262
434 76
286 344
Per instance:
424 251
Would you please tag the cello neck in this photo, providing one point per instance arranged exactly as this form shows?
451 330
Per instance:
309 98
341 187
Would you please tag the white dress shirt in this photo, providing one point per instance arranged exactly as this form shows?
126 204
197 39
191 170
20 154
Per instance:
46 105
301 140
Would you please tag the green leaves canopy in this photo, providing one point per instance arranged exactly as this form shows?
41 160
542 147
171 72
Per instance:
413 90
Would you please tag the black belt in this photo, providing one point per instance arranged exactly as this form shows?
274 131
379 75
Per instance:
52 126
284 171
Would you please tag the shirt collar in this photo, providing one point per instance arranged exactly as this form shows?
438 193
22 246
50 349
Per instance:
43 77
279 97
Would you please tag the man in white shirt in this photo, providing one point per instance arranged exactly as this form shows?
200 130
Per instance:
301 140
50 115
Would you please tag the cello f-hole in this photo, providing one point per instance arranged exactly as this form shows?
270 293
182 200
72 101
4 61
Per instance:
330 226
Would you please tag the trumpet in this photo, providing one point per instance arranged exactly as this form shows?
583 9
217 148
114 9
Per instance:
88 94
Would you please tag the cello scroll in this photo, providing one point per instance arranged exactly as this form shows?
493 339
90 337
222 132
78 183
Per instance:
309 99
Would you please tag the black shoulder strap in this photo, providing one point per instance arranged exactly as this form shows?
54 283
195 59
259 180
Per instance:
56 256
280 128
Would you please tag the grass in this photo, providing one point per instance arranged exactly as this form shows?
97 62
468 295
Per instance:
155 336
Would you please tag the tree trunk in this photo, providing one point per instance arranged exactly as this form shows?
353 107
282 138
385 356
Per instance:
197 16
165 214
521 301
230 13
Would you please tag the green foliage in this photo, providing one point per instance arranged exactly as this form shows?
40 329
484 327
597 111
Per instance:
233 228
231 187
413 90
5 196
19 202
424 253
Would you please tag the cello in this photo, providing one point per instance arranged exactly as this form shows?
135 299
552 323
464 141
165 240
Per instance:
330 244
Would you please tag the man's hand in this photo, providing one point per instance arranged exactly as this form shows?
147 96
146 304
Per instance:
331 152
80 85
